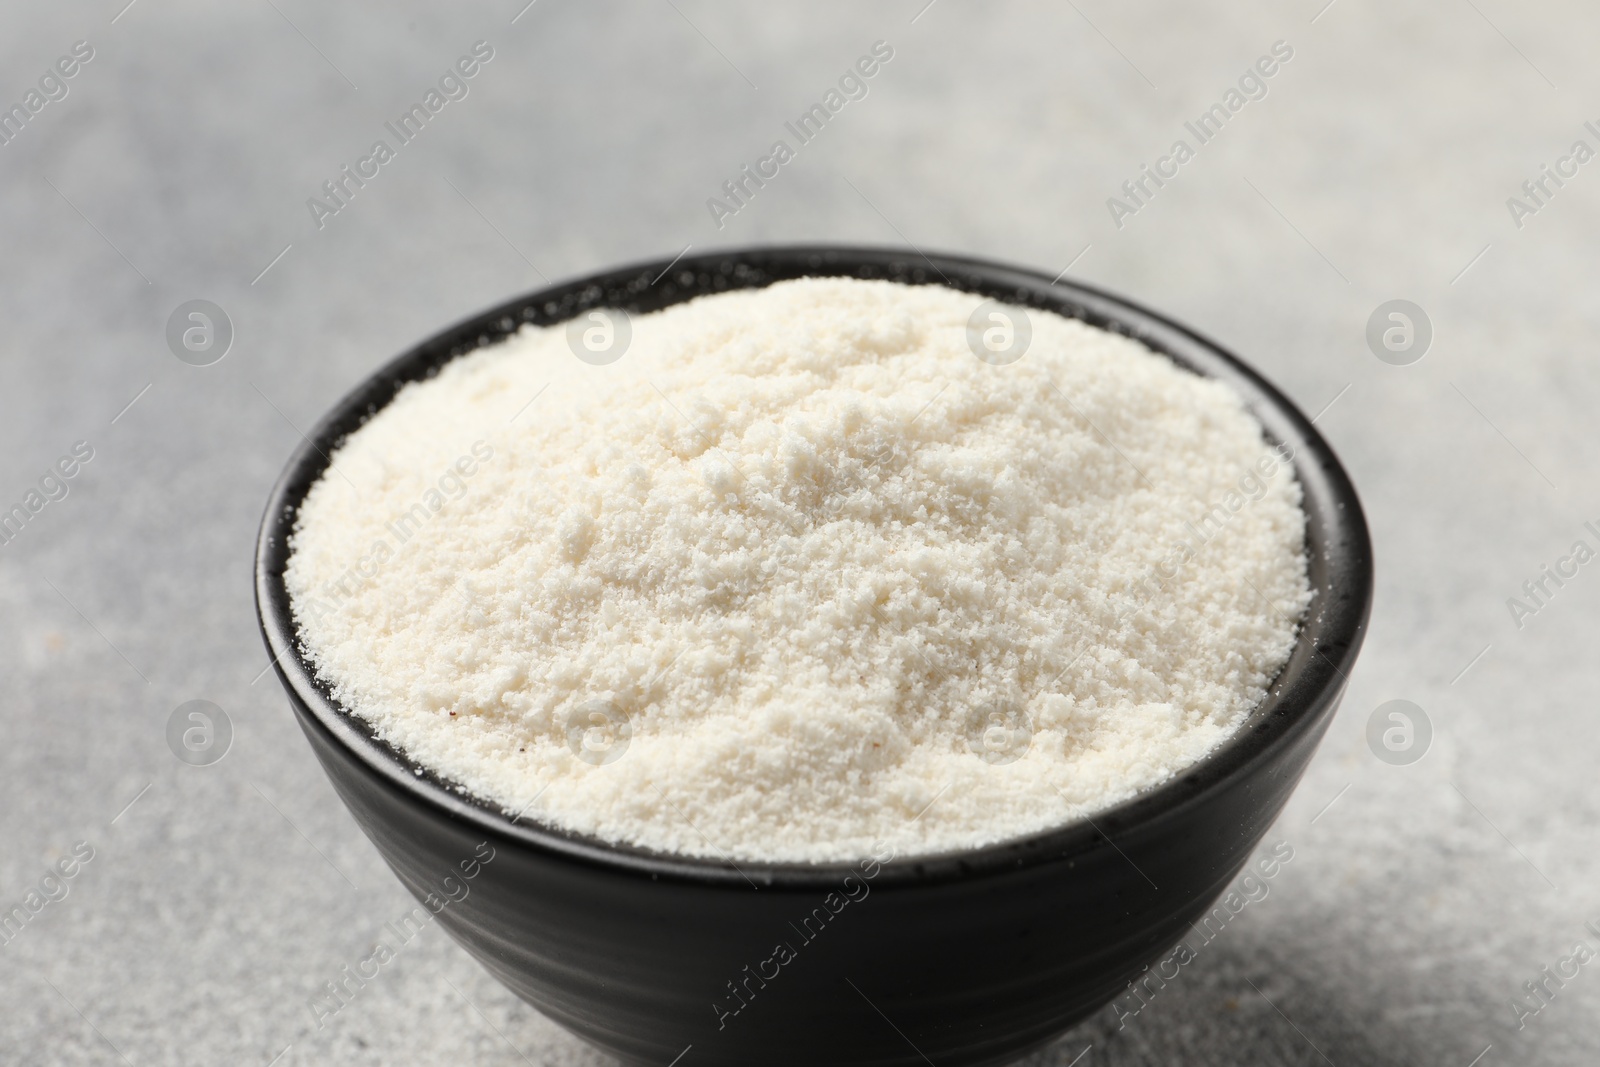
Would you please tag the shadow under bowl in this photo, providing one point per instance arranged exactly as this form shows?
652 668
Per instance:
974 957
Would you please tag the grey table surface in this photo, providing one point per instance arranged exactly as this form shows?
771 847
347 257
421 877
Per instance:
1421 897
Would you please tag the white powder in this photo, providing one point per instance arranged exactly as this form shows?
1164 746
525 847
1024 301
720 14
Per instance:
806 543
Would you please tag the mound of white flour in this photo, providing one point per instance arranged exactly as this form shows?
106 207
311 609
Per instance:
798 574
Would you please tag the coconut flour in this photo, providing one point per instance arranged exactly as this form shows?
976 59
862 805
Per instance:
798 574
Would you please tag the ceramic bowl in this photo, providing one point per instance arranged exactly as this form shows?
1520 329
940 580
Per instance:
975 957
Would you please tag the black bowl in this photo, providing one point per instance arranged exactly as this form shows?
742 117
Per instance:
974 957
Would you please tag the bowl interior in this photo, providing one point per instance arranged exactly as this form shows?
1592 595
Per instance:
1339 553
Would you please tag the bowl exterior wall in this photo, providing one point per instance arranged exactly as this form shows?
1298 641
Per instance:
962 971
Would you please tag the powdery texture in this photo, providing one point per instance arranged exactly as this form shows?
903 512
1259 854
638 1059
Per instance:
804 540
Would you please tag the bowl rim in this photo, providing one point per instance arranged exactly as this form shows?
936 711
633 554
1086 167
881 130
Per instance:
1330 635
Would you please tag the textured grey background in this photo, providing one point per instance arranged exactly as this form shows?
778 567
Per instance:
1378 167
